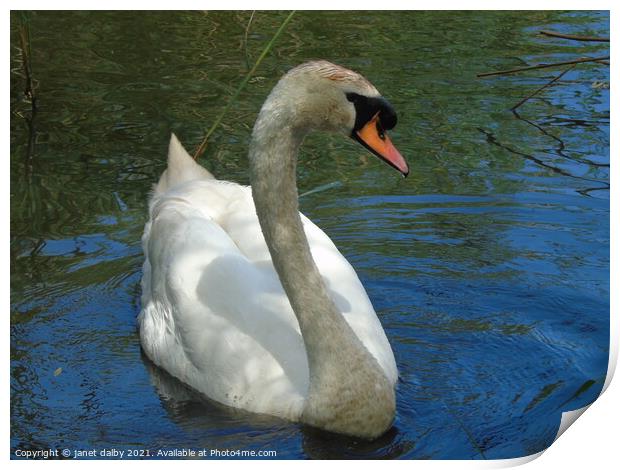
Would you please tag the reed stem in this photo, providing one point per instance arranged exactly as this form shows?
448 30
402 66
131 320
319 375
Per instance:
203 145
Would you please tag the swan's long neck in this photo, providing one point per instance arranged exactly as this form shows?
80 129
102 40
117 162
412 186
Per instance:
348 391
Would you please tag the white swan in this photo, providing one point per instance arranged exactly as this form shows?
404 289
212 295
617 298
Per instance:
262 312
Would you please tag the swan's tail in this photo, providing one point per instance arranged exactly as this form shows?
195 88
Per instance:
181 168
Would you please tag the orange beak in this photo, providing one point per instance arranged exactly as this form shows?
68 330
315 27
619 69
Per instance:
373 137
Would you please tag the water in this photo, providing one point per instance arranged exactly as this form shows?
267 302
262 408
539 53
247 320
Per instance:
488 266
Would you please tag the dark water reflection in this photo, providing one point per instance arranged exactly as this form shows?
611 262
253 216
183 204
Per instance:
488 266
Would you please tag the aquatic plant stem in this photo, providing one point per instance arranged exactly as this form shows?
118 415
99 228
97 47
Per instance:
203 144
24 39
245 39
29 88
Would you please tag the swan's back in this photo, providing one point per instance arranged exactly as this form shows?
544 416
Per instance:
214 313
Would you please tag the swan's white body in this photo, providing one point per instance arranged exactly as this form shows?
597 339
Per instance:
215 313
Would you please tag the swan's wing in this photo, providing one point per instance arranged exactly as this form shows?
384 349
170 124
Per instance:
241 224
211 316
350 297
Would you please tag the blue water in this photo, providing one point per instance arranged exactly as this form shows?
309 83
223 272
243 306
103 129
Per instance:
488 266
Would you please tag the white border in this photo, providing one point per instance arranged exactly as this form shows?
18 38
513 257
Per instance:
593 442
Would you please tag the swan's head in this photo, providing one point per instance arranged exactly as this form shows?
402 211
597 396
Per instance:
331 98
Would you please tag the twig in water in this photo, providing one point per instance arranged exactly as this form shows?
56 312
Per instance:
587 191
543 66
493 140
468 434
534 93
561 148
573 37
203 145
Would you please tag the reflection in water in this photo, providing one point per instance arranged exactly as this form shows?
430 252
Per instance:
322 445
191 409
197 414
488 266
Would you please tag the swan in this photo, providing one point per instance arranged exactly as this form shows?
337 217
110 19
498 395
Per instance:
247 301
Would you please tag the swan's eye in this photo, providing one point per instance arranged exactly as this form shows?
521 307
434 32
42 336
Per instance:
366 107
380 130
353 97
